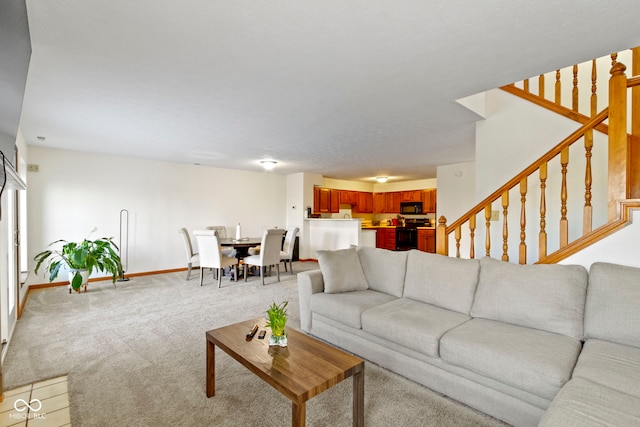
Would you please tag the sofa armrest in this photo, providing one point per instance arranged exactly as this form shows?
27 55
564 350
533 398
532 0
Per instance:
309 283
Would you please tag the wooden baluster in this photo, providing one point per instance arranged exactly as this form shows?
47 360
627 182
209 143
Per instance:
558 88
458 236
564 224
574 91
541 86
618 150
487 219
505 226
587 221
442 240
523 222
594 96
525 85
472 234
542 236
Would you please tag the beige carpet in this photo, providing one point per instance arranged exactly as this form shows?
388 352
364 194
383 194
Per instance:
135 355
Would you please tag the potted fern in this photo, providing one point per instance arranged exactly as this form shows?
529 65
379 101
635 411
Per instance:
81 259
277 320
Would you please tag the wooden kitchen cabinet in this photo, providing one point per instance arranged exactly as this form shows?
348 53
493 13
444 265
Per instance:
348 197
392 202
429 200
427 240
379 202
364 202
360 201
411 196
386 238
326 200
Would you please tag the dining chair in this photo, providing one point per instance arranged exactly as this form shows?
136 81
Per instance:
286 254
222 234
211 255
192 257
269 253
221 229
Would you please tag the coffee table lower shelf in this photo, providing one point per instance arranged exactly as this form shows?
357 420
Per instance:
300 371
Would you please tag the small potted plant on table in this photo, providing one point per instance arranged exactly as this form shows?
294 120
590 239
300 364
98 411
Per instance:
277 320
81 259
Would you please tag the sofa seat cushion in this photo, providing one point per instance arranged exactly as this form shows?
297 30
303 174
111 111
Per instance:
612 312
347 307
583 403
613 365
412 324
383 269
546 297
528 359
441 280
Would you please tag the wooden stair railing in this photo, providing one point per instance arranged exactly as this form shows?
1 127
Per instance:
621 167
573 108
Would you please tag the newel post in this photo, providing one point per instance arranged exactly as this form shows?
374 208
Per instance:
442 241
634 149
618 148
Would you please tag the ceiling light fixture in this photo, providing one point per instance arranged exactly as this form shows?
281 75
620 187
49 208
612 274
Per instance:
382 179
268 164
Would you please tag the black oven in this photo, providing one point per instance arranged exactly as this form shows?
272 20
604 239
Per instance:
406 238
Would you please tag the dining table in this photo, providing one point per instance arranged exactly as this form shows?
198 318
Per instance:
241 246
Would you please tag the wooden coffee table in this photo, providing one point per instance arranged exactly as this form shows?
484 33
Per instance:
303 369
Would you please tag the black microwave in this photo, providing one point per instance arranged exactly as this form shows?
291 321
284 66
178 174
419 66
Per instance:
408 208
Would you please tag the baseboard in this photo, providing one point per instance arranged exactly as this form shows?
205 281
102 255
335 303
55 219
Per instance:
101 279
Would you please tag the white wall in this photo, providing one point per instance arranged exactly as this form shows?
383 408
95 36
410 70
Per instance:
456 190
295 207
418 184
619 248
73 192
516 133
375 187
340 184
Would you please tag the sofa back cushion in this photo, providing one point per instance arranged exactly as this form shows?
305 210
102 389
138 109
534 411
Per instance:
341 271
384 270
613 304
550 297
442 281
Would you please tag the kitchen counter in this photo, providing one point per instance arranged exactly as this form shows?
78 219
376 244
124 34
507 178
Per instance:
373 227
332 219
337 233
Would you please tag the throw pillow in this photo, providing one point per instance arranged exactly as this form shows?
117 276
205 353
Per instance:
383 269
550 297
341 271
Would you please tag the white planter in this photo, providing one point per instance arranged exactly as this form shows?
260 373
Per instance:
85 279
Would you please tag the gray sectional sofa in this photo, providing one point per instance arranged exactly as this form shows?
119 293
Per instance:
528 344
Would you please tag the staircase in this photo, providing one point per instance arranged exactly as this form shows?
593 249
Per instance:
602 180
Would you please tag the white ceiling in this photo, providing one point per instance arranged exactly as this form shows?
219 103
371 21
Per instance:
347 89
